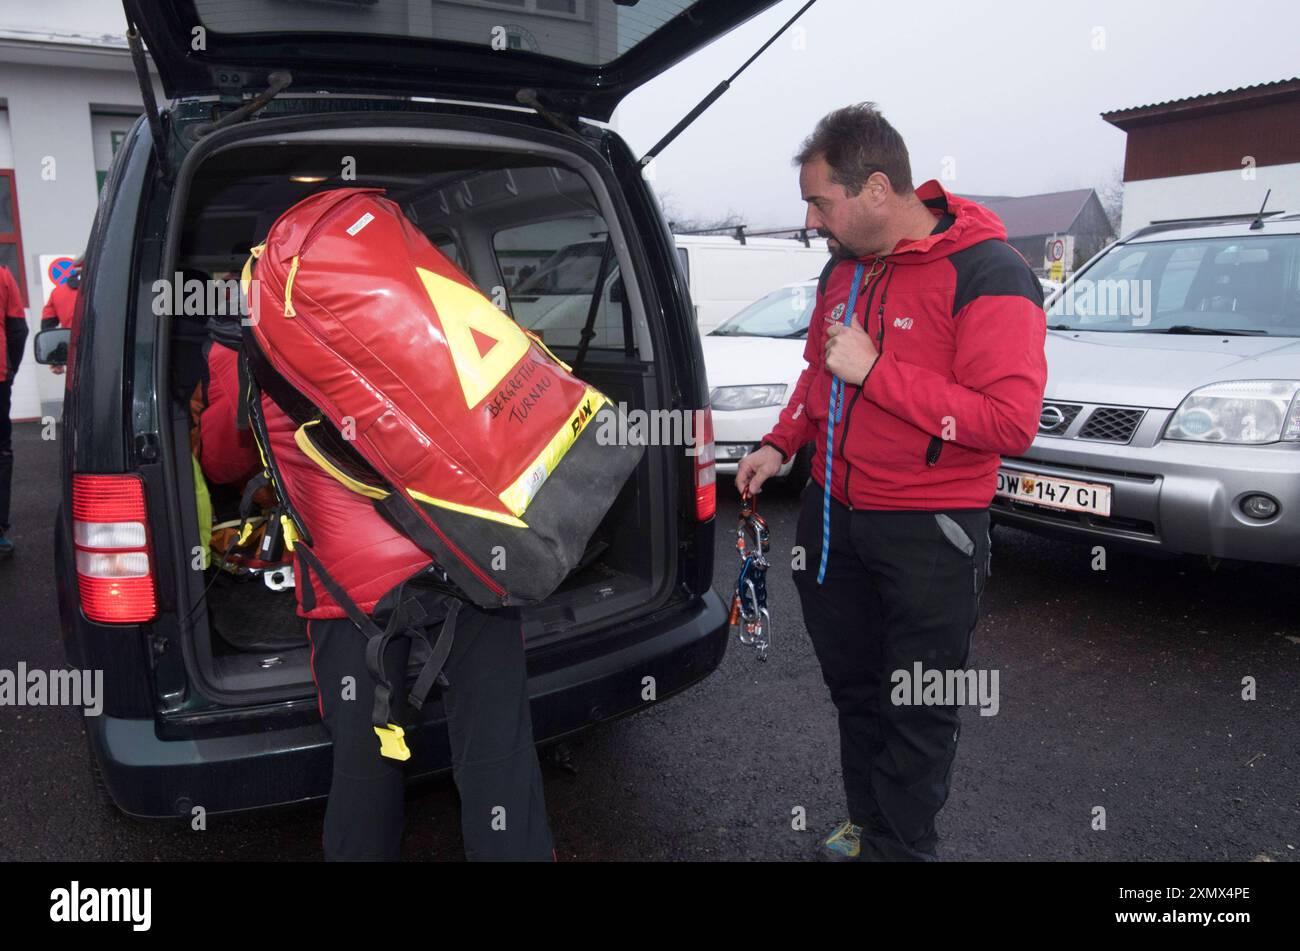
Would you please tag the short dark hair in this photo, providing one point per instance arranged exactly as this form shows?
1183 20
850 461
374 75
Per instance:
855 142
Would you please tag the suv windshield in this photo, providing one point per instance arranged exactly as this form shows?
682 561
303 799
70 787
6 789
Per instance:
782 313
1243 285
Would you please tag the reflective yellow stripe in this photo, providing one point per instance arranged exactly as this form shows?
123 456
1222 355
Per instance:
469 510
518 496
288 288
315 455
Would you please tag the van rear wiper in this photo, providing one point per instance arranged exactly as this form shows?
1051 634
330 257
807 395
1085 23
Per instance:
277 82
1211 331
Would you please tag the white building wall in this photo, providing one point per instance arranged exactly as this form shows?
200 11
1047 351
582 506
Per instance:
49 109
1211 193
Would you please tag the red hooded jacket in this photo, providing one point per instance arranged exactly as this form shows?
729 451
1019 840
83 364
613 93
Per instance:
361 551
11 310
958 320
227 455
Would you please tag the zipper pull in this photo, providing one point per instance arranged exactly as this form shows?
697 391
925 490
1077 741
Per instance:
288 288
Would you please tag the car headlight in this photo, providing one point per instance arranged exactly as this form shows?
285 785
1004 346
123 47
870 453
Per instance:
748 397
1244 412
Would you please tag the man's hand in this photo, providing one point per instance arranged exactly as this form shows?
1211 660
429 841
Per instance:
850 354
757 468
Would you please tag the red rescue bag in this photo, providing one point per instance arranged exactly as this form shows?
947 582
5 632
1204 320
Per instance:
413 389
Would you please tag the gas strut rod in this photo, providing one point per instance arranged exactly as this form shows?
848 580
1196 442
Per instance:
718 90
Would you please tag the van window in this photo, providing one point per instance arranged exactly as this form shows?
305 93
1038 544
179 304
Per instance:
591 32
448 248
551 269
685 260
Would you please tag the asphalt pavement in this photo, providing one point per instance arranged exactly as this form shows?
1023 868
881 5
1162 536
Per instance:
1119 689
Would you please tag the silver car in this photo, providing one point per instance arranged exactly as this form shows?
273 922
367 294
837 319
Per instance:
1171 418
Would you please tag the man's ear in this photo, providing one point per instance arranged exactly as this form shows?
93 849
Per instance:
878 186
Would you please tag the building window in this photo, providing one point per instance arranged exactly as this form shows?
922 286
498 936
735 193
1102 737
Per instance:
11 242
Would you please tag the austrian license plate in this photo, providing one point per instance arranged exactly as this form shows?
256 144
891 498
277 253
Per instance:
1048 491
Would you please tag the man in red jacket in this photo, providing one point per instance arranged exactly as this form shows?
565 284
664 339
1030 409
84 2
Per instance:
925 364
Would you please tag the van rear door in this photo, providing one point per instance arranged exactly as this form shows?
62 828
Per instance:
581 56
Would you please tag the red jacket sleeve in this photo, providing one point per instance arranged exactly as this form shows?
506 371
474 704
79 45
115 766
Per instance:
11 303
994 399
793 429
227 455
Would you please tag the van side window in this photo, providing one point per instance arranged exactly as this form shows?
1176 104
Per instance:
448 248
685 259
551 269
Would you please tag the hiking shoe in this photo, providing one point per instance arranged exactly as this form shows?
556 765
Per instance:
6 546
842 845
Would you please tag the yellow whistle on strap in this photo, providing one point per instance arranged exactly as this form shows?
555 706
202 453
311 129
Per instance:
290 531
392 742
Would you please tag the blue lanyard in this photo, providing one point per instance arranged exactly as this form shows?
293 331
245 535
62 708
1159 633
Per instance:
835 409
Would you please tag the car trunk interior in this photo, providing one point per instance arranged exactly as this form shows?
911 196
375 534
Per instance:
505 211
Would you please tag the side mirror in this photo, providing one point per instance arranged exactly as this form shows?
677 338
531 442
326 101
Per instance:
51 346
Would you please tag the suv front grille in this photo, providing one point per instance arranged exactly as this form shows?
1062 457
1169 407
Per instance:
1056 418
1111 424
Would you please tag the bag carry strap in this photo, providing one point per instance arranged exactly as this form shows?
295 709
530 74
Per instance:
403 622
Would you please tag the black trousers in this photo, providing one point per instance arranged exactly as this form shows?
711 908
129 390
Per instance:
6 455
897 590
494 762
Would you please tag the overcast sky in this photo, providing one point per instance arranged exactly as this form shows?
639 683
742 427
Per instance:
1011 90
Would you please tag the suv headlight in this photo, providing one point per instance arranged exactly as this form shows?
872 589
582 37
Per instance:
1243 412
748 397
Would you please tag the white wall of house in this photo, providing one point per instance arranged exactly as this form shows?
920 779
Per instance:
1211 193
50 111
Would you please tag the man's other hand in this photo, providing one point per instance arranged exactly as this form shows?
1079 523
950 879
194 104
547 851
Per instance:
756 468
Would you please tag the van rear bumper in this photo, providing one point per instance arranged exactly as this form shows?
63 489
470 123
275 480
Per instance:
266 766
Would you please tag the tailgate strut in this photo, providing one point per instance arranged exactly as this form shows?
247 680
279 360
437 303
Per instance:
147 96
718 90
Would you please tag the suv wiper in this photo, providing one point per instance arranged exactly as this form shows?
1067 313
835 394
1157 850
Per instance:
1059 327
1230 332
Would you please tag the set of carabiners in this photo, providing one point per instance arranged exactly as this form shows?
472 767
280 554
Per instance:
750 620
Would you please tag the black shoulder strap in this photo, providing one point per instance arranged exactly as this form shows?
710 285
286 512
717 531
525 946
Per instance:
406 620
826 274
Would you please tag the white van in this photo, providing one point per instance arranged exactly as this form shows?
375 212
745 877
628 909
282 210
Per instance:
725 276
552 297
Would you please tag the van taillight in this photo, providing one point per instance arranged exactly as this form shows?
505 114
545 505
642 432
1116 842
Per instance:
111 539
706 474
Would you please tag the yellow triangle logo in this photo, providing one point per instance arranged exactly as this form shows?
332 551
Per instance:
466 314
